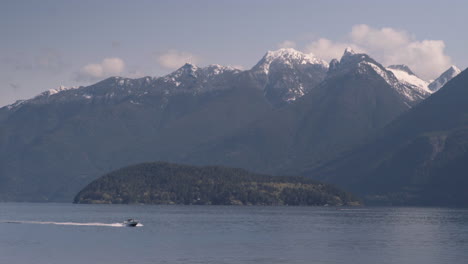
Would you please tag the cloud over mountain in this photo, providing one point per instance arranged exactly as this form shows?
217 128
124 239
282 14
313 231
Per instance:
390 46
95 71
173 59
328 49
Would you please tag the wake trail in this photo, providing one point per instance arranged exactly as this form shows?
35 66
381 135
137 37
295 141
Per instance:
68 223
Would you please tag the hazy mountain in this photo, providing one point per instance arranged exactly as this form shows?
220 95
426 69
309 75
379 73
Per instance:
444 78
420 158
357 97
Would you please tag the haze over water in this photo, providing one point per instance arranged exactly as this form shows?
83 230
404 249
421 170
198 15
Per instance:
230 234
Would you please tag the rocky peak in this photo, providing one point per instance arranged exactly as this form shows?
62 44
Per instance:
444 78
286 58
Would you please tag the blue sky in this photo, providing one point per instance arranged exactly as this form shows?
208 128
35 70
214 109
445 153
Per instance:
48 43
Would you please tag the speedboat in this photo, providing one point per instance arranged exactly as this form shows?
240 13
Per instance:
131 222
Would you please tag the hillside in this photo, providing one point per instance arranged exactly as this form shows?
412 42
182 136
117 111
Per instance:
355 100
164 183
52 145
288 113
420 158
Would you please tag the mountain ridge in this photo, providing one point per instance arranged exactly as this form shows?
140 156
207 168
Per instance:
445 77
352 102
420 158
56 142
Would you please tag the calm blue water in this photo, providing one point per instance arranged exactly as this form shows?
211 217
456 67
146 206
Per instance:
53 233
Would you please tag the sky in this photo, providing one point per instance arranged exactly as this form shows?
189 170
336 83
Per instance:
49 43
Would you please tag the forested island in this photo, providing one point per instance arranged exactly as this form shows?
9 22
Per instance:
166 183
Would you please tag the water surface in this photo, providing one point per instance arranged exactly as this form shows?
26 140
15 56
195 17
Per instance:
67 233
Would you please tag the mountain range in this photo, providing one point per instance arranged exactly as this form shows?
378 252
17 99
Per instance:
291 113
418 159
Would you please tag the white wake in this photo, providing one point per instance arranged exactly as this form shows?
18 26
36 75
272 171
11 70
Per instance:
69 223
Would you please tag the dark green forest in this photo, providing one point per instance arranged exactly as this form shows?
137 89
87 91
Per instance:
166 183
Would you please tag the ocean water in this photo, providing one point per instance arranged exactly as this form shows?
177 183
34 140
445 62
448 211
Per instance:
67 233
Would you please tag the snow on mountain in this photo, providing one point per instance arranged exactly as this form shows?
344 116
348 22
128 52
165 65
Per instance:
15 104
404 85
187 79
404 74
191 71
287 74
400 81
288 57
192 79
284 75
42 96
444 78
216 69
59 89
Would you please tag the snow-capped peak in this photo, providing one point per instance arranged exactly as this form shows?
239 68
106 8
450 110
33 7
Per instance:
455 69
350 57
444 78
187 69
288 57
194 71
216 69
287 74
404 74
400 80
287 53
189 74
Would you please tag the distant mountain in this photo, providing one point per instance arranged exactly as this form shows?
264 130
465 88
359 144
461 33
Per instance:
54 144
289 112
444 78
357 98
287 74
420 158
400 77
164 183
416 87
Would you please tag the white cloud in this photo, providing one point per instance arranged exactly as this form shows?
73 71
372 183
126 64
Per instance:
389 46
384 38
287 44
108 67
328 50
174 59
